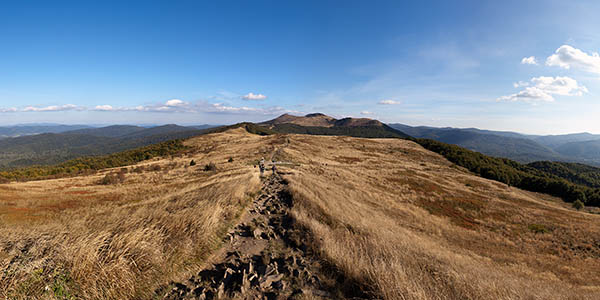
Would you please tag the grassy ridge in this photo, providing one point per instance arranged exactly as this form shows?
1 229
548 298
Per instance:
354 131
514 173
90 164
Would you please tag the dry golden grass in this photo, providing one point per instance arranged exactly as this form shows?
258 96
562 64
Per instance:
401 220
75 237
409 225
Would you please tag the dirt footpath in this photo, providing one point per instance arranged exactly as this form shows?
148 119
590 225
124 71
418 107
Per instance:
265 257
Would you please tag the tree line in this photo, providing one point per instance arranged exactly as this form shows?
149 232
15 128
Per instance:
514 174
91 164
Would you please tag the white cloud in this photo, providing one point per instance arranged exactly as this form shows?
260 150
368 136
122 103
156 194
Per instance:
367 113
104 108
9 109
252 96
174 102
226 109
389 102
568 57
520 84
529 94
529 60
543 88
170 106
565 86
65 107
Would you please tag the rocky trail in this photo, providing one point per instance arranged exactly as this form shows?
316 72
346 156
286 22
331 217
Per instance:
265 257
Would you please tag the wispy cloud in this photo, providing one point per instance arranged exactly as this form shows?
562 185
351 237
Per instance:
52 108
389 102
529 60
568 57
104 108
543 88
8 109
228 109
173 105
169 106
367 113
520 84
254 97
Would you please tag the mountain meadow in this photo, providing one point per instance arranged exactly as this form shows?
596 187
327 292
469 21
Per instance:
387 218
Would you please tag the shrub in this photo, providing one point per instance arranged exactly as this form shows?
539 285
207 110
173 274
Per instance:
155 168
112 179
210 167
578 205
192 163
230 159
538 228
121 176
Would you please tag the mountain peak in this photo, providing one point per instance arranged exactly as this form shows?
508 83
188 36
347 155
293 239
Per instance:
313 119
315 115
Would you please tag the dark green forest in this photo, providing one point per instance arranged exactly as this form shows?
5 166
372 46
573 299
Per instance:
87 165
573 172
52 149
514 174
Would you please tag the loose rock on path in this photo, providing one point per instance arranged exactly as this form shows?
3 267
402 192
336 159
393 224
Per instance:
265 257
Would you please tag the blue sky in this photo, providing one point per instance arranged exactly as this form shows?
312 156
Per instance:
527 66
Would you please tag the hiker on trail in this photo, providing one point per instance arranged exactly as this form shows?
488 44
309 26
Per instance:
273 167
261 166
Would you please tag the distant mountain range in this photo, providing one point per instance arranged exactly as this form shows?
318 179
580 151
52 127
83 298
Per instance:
579 147
20 130
34 144
51 148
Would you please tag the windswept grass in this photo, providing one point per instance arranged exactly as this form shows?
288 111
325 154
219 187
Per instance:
402 222
409 225
74 237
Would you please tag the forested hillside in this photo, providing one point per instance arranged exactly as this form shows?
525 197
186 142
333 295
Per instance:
51 148
514 173
524 148
93 163
574 172
504 144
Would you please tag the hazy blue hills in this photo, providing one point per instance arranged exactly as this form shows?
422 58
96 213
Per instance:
52 148
556 141
579 147
587 150
30 129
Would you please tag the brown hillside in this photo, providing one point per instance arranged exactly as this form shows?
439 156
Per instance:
356 122
316 119
400 220
321 120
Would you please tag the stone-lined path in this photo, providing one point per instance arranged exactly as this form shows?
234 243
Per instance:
265 257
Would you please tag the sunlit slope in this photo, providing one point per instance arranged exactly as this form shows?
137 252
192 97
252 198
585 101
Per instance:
400 220
411 225
76 237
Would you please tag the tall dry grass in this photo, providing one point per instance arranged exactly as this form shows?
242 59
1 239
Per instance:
402 221
408 225
73 237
